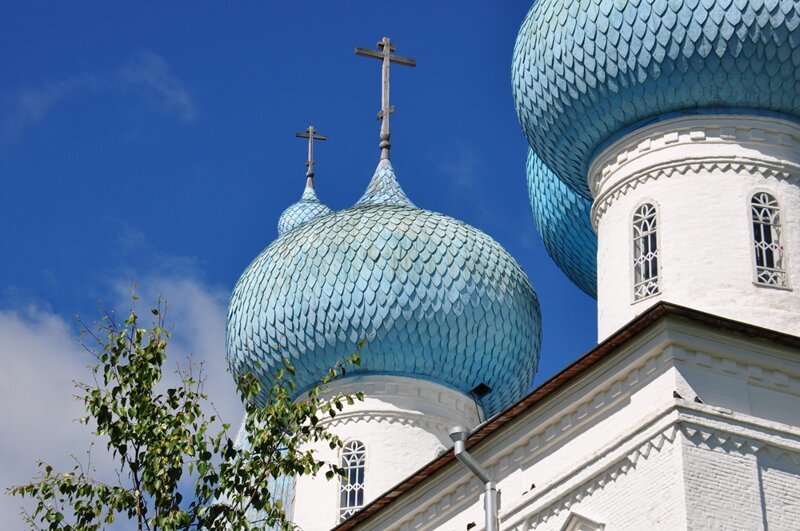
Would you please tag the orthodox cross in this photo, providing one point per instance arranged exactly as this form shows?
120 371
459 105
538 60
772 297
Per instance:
385 54
311 135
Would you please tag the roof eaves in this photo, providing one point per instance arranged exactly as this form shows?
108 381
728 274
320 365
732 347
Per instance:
582 364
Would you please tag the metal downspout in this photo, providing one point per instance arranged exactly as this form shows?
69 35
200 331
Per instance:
491 499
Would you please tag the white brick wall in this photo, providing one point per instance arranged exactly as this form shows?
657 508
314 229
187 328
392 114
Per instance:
722 490
403 423
647 496
616 447
700 172
779 476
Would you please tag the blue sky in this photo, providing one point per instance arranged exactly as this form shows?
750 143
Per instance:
154 143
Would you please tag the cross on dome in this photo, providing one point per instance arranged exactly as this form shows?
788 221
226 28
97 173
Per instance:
311 135
309 206
385 54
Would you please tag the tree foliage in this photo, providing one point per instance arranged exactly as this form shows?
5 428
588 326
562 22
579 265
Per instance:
176 467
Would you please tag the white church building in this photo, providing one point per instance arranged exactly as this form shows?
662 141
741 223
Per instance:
664 178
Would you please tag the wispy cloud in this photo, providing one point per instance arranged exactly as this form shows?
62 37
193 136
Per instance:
461 169
151 73
42 359
31 105
147 73
134 247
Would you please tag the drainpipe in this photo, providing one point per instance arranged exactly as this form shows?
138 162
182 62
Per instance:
491 499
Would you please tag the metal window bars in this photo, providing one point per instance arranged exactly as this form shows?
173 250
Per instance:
352 484
645 252
769 256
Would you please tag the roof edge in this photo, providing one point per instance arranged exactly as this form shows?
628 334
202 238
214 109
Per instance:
620 338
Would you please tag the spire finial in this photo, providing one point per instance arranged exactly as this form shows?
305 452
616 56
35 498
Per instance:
385 54
311 135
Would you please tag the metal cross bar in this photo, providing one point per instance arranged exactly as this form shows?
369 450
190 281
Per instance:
385 54
393 58
311 135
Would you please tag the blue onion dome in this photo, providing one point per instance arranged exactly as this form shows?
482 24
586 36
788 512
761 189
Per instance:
429 296
584 70
309 207
562 219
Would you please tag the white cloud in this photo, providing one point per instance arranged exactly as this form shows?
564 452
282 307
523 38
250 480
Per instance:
41 359
147 73
196 315
31 105
151 72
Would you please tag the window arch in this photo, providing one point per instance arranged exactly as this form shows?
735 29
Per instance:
351 491
645 252
767 244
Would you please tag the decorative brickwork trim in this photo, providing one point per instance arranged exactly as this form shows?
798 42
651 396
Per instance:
751 133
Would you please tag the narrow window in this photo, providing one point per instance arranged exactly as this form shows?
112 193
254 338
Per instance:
645 252
770 267
352 487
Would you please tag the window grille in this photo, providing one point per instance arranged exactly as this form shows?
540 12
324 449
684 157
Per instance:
645 252
352 484
770 267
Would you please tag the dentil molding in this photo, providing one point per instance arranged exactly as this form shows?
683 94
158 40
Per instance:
754 145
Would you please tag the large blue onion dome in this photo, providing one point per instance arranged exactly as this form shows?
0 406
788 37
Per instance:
430 297
584 70
309 207
562 218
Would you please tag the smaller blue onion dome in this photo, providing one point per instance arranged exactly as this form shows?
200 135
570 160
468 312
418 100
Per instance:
309 207
586 70
563 220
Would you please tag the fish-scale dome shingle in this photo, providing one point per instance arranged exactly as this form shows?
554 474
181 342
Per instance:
430 297
563 221
584 70
309 207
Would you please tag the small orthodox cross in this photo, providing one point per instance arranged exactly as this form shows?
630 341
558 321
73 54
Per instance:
385 54
311 135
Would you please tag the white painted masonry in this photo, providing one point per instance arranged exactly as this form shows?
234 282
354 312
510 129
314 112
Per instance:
701 172
686 424
403 423
617 450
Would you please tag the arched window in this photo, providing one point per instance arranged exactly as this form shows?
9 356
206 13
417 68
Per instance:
351 497
770 267
645 252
